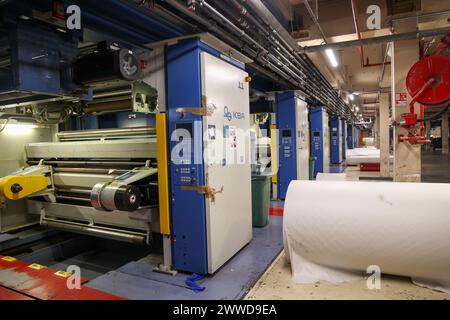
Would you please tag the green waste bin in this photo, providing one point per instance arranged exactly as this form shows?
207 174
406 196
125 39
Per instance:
260 199
312 164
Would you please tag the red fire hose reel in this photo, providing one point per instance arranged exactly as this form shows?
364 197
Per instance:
428 82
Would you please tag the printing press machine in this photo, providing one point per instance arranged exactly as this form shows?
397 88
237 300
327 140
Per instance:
126 183
97 182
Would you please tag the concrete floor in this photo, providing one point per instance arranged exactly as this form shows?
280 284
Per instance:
435 167
277 284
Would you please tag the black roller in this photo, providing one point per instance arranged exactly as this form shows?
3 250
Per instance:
128 198
106 66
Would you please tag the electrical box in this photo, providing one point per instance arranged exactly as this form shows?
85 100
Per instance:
210 169
40 68
292 122
320 139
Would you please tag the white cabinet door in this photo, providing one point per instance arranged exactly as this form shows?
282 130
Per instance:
227 159
326 143
302 125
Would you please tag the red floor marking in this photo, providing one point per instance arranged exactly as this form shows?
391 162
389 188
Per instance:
6 294
86 294
43 283
369 167
276 212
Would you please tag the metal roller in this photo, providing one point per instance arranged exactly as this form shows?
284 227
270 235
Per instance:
113 196
93 163
86 134
126 236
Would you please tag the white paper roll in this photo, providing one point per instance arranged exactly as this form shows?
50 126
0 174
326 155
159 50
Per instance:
331 177
334 231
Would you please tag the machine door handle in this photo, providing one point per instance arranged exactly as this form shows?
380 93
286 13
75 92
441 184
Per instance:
209 192
204 110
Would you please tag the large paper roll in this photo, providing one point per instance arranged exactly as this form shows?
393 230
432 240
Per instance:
334 231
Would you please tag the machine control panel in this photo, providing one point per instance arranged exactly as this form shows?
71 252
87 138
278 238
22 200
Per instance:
186 175
317 140
287 143
334 137
185 171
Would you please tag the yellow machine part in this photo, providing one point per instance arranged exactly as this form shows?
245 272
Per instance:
163 173
274 152
19 187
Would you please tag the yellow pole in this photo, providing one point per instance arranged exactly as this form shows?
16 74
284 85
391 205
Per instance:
163 173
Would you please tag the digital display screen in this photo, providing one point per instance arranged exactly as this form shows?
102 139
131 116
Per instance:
287 133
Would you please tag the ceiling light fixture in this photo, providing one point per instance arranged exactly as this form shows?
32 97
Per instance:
332 57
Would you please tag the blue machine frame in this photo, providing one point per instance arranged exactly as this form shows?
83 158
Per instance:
188 209
317 143
36 67
350 139
344 139
336 156
287 166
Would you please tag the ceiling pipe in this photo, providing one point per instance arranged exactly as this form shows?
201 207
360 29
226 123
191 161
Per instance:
420 16
275 55
207 24
314 19
286 71
294 75
382 90
146 7
380 39
249 39
244 12
361 47
358 32
383 70
212 27
286 39
281 56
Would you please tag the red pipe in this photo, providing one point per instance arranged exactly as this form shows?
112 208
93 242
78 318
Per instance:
361 48
376 64
358 33
422 124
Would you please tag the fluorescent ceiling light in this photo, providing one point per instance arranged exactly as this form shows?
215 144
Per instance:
16 127
19 128
332 57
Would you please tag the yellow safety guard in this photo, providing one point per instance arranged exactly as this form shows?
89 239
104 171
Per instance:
19 187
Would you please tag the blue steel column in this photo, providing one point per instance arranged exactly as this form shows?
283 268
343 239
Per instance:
350 138
335 140
287 165
316 136
184 89
344 139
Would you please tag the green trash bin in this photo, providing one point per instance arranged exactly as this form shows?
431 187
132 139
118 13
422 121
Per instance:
312 164
260 199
